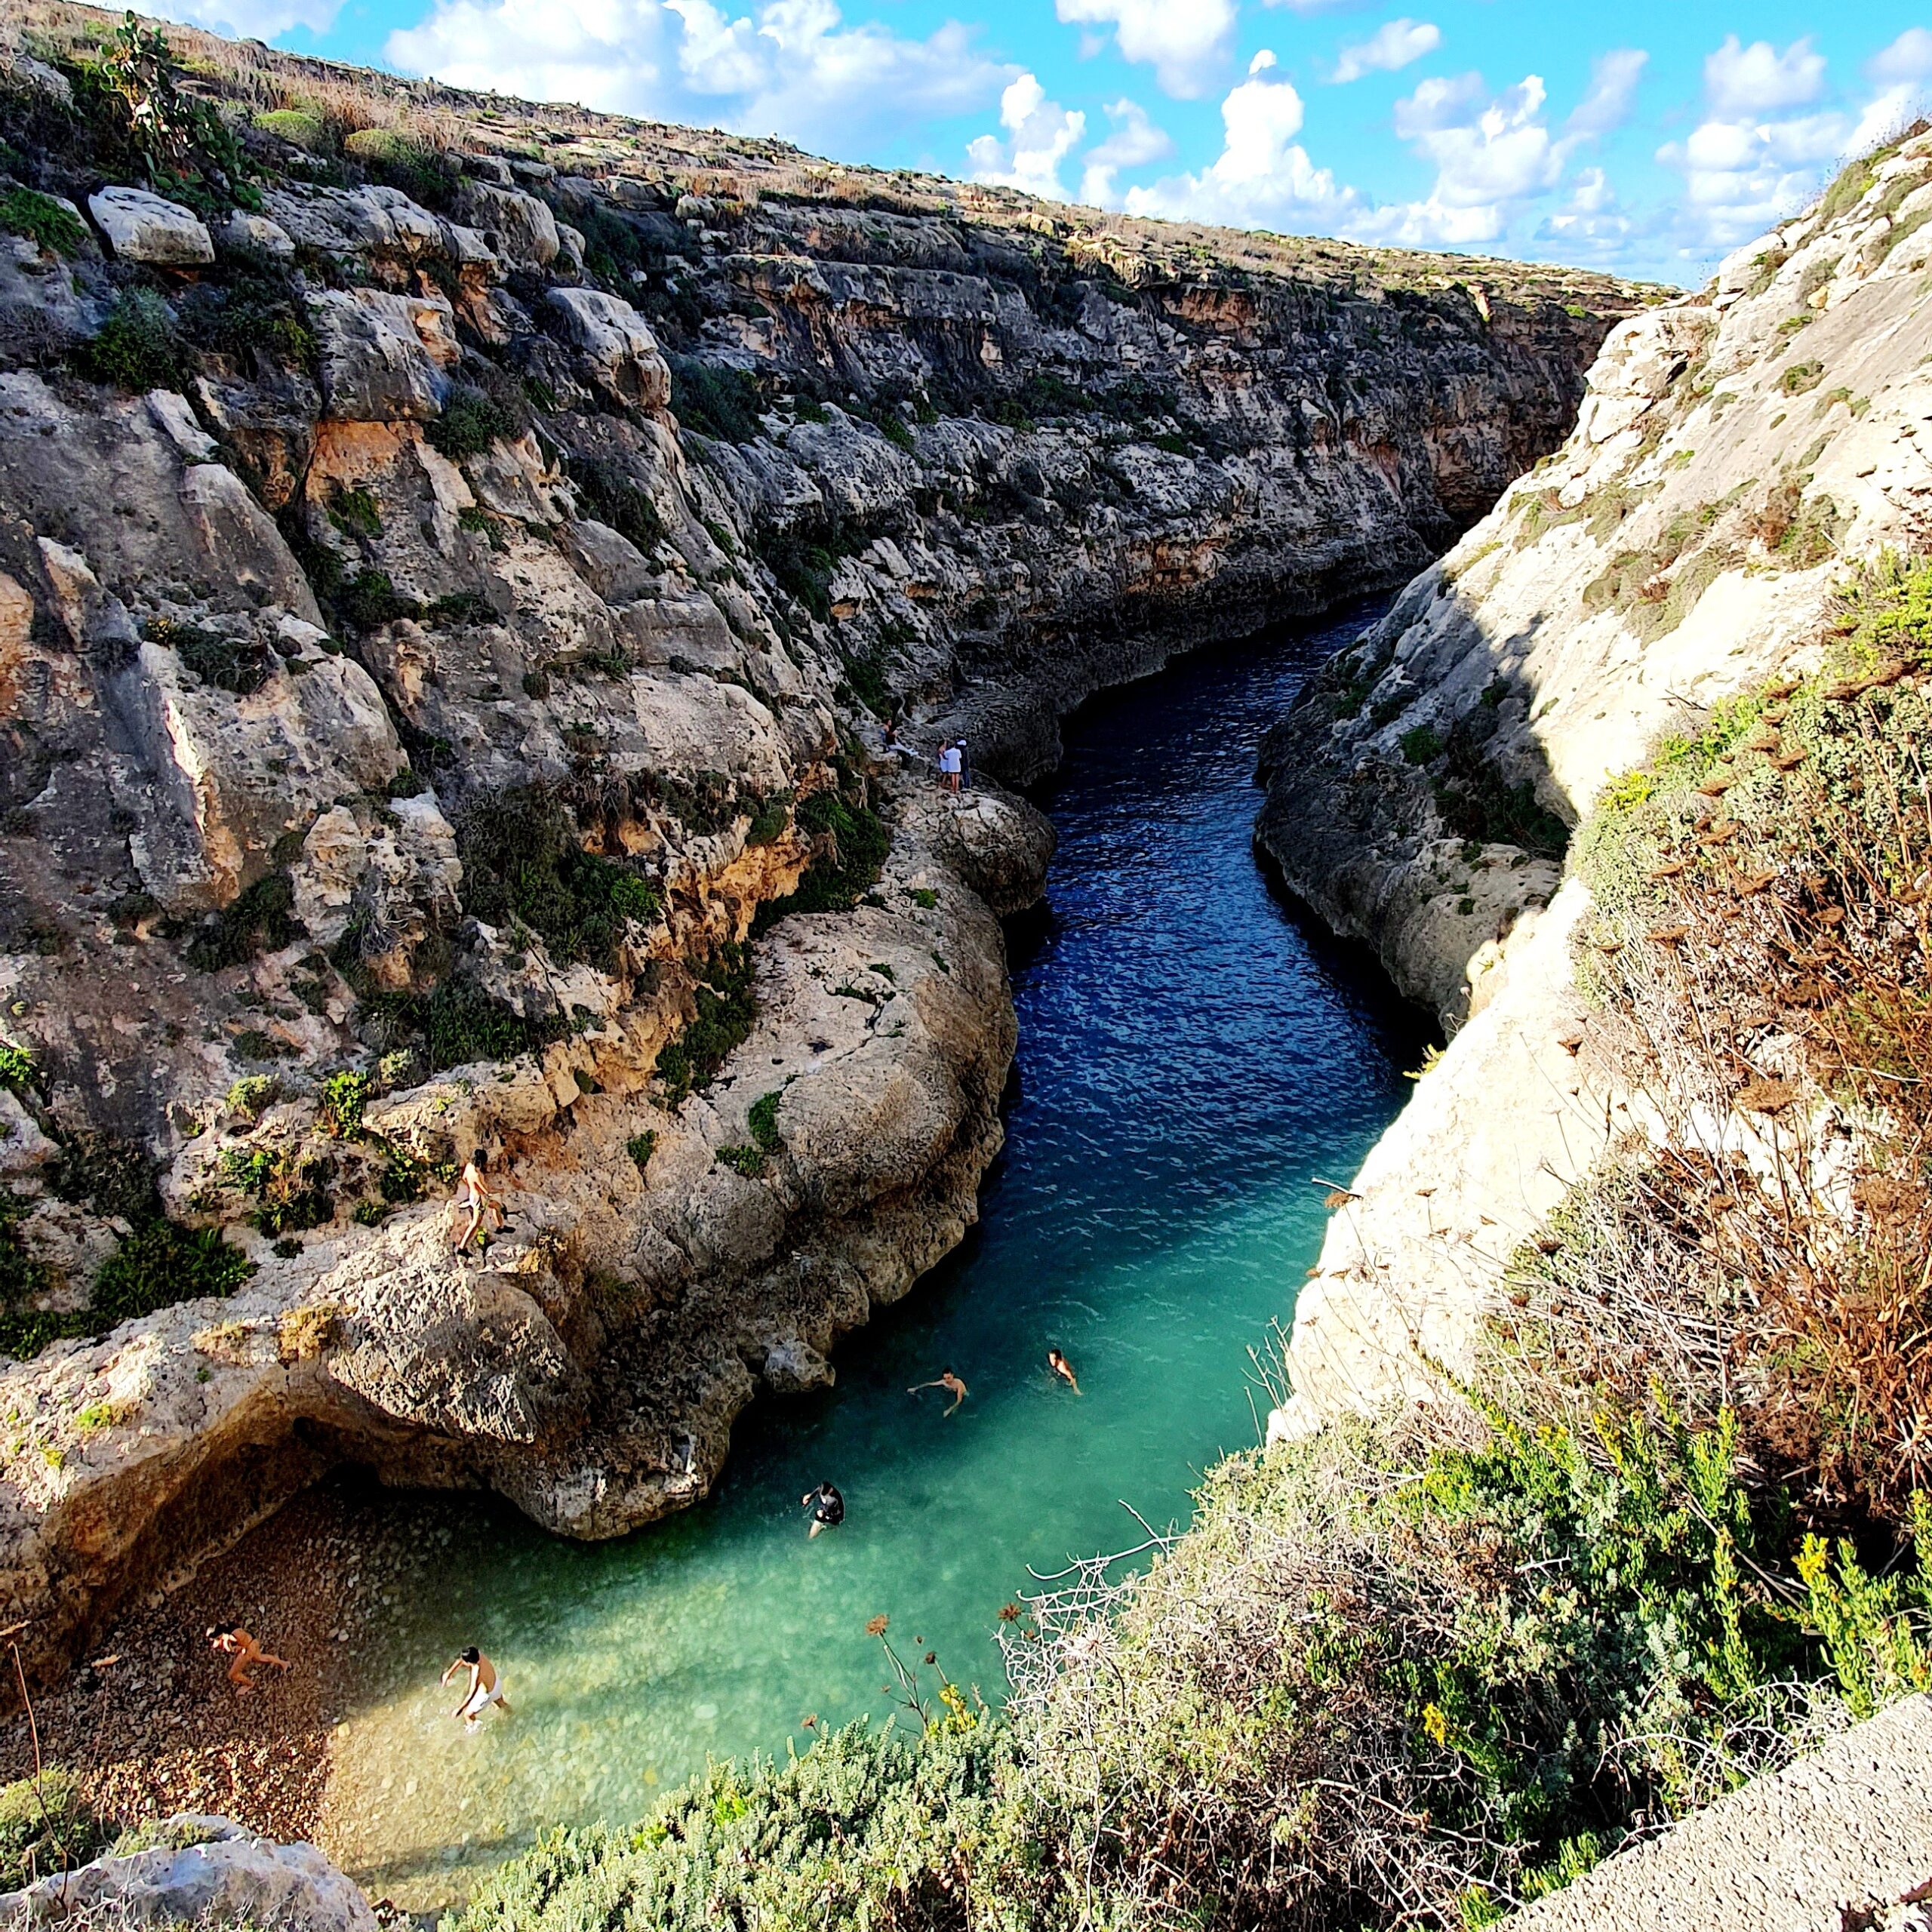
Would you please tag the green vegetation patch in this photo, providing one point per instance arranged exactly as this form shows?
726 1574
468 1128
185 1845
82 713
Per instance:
261 919
138 347
854 842
471 421
48 1825
714 399
43 221
727 1010
521 860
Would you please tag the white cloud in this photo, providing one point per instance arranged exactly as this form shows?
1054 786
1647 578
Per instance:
1491 151
1589 223
1184 41
1134 141
1740 81
252 19
790 67
1907 58
1042 135
1613 78
1393 45
1263 178
1746 165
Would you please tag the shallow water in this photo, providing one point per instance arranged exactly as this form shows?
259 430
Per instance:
1194 1065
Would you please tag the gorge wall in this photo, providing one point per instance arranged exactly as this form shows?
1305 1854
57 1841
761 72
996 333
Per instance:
1735 451
452 555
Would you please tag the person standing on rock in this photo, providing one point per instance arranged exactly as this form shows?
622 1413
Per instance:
485 1687
828 1509
949 767
950 1382
962 766
473 1198
236 1644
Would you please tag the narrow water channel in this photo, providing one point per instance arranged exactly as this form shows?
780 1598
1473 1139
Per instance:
1192 1059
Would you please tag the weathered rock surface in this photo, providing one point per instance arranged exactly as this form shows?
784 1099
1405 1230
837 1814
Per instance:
1842 1837
205 1871
148 229
434 689
1734 449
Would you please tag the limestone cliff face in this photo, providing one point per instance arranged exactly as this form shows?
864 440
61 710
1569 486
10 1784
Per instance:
437 622
1734 450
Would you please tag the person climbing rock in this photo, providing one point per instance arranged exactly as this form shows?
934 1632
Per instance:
828 1508
485 1687
235 1643
950 1382
474 1198
1061 1366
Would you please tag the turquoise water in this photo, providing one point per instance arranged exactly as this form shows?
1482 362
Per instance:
1194 1065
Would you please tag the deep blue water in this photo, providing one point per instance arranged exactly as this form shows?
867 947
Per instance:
1196 1064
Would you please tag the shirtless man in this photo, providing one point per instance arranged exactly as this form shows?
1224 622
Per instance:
235 1643
828 1509
473 1198
950 1382
1061 1366
484 1688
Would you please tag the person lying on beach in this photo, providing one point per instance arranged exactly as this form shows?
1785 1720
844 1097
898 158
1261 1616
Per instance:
950 1382
828 1509
485 1687
235 1643
1061 1366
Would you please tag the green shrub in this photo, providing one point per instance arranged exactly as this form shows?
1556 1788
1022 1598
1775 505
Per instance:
1802 378
641 1147
763 1121
715 400
18 1073
749 1162
43 220
137 346
296 126
457 1024
356 513
727 1009
291 1194
470 422
344 1096
612 498
233 664
1421 744
399 161
261 919
855 841
161 1264
251 316
46 1826
521 860
369 600
254 1095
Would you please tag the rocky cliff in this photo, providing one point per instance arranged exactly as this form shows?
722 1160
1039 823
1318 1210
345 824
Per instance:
1735 450
452 558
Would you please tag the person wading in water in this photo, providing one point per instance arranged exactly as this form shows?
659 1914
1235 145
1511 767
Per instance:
485 1687
950 1382
828 1509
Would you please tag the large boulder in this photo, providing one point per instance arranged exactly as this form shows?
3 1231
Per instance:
141 227
518 226
385 358
617 343
205 1871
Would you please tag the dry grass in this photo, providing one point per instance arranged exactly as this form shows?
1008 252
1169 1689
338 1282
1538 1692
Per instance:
1769 900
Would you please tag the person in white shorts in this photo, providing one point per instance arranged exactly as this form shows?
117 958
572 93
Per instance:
949 767
486 1687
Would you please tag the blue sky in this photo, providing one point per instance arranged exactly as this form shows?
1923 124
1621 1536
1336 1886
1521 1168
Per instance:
1648 137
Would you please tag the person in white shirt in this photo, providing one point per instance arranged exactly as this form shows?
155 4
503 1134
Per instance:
949 767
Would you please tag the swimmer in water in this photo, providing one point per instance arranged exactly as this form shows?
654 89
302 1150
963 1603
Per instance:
485 1687
235 1643
950 1382
828 1508
1061 1366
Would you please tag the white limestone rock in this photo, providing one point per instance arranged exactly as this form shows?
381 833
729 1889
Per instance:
142 227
